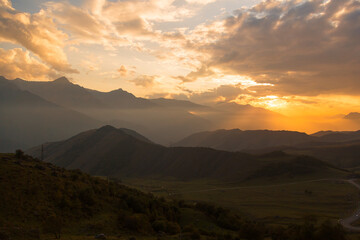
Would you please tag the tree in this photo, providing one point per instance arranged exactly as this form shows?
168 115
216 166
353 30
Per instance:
19 154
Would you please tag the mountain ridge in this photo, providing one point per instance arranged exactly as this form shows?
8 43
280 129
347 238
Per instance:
108 151
27 119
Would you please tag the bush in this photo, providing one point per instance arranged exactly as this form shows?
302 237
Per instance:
135 222
53 224
4 236
87 197
172 228
159 226
19 154
166 226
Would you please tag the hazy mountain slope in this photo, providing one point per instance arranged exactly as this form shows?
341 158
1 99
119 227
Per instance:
238 140
340 136
322 133
27 119
341 154
62 92
173 103
161 125
122 99
234 107
110 151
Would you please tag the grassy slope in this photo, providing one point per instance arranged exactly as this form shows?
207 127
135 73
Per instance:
281 200
32 192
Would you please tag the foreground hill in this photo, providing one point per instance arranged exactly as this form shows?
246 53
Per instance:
27 119
238 140
113 152
40 199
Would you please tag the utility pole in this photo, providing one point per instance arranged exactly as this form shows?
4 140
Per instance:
42 152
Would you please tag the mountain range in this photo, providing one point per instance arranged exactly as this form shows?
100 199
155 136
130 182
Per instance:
108 151
27 119
339 148
72 108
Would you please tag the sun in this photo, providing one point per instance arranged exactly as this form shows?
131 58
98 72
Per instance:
273 102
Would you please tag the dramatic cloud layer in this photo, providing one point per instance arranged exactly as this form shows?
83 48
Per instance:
16 63
302 47
37 33
273 53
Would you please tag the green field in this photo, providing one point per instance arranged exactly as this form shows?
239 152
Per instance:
269 202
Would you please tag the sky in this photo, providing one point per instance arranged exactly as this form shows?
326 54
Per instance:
298 58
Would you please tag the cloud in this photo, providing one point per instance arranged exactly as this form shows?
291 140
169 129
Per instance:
145 81
302 47
117 23
123 71
37 33
6 4
203 71
16 63
223 93
203 2
79 23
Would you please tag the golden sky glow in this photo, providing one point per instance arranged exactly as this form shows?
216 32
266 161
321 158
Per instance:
297 58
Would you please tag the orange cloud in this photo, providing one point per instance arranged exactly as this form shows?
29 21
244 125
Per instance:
301 47
123 71
37 33
144 81
16 63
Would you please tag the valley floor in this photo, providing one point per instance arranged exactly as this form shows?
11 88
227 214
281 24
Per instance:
269 202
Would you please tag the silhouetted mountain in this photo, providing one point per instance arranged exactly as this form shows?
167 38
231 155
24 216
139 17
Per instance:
27 119
163 124
173 103
340 136
238 140
322 133
113 152
122 99
163 120
340 154
62 92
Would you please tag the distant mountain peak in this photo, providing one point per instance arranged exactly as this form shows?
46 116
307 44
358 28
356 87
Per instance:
106 128
63 80
121 91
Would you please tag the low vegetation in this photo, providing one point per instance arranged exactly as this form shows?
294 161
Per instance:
42 201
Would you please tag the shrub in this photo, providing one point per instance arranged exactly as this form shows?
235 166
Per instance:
53 224
19 154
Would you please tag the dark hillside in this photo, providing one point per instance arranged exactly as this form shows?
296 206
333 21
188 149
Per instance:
38 198
108 151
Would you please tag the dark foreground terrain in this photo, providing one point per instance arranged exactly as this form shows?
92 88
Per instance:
42 201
